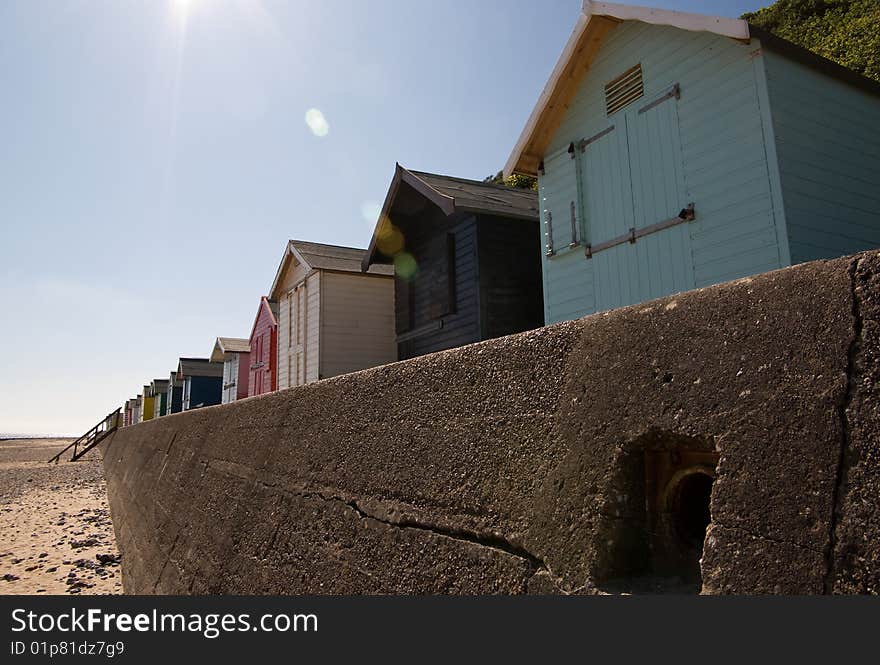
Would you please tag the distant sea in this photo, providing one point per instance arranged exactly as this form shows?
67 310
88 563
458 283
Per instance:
17 435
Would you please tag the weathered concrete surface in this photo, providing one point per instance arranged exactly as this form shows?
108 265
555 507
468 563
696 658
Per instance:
856 538
502 467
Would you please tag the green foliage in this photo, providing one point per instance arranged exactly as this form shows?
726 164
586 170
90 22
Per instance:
845 31
516 181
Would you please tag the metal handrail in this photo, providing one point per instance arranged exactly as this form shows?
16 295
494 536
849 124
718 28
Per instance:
90 439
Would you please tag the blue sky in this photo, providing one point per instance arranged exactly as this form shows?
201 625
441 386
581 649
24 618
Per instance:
155 158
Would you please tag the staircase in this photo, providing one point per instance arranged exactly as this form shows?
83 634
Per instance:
93 437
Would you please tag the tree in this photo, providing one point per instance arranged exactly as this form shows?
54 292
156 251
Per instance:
845 31
516 181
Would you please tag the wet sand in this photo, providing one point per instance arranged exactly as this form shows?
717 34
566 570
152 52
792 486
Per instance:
56 536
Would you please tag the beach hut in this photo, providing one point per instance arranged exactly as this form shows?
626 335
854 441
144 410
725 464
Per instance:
137 411
147 403
175 394
333 318
234 353
674 151
160 397
127 412
202 382
467 258
263 374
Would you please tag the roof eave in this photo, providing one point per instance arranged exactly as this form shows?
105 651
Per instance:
595 20
526 154
367 261
289 251
218 354
264 302
510 214
401 174
814 60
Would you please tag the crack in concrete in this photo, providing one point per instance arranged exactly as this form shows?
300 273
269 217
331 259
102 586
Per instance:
843 405
491 540
494 540
167 561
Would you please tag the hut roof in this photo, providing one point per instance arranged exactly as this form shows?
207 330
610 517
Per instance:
595 21
159 386
452 194
319 256
227 345
198 367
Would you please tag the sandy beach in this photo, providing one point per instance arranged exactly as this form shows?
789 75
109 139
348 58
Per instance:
56 536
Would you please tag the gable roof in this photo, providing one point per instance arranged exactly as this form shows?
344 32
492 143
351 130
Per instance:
318 256
159 386
173 381
271 307
594 23
198 367
451 195
226 345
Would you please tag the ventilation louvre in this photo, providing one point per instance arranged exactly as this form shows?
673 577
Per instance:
624 89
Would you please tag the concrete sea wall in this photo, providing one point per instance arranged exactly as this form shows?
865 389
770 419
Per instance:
582 457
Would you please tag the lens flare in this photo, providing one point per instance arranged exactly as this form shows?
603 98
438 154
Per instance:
405 265
317 122
389 239
370 210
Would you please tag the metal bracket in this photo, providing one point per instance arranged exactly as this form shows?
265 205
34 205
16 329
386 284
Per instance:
583 143
674 91
687 214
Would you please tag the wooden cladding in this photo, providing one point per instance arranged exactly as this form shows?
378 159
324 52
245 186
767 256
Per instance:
624 89
406 305
450 274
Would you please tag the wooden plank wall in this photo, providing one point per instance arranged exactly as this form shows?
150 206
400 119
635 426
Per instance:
291 349
263 350
426 238
826 136
357 323
230 374
510 276
725 171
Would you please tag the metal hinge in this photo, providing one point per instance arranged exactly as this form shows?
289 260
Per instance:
574 238
548 233
674 91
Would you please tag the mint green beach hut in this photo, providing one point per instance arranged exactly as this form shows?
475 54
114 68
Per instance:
674 151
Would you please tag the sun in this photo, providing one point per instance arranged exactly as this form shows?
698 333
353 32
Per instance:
182 8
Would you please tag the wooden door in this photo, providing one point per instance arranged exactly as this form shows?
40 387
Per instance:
606 202
297 336
664 258
631 177
300 335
